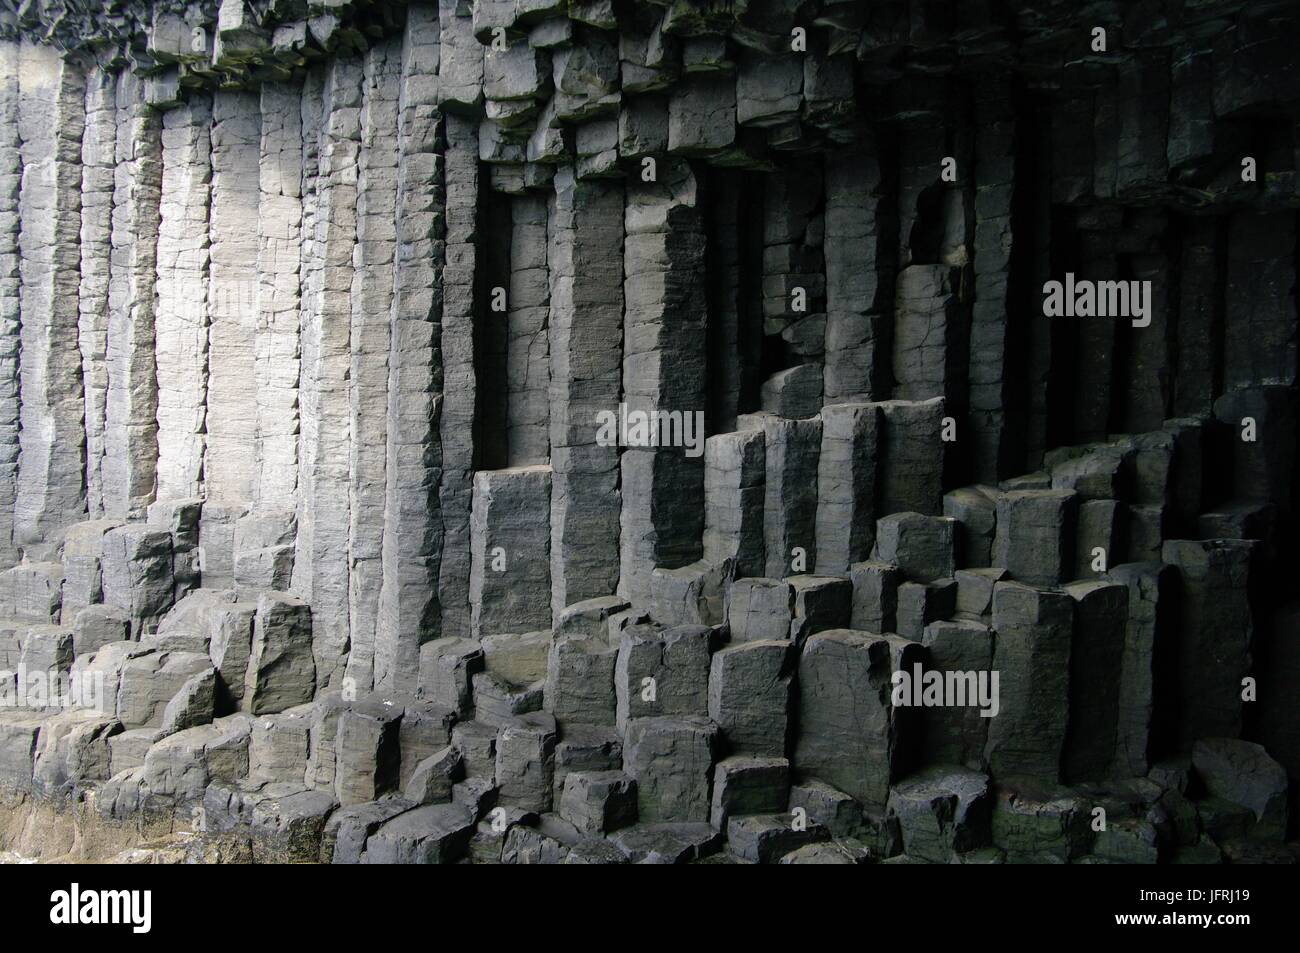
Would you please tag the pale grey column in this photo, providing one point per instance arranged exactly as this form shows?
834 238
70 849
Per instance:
131 406
279 261
662 521
11 172
51 461
98 155
992 416
858 306
527 343
229 462
181 324
586 352
372 299
460 384
408 598
320 572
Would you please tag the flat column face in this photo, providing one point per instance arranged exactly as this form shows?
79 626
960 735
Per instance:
279 289
321 565
51 117
11 165
371 327
98 160
182 320
586 235
456 421
663 371
231 423
412 541
510 574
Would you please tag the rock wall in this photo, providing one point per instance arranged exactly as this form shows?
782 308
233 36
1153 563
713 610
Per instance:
558 431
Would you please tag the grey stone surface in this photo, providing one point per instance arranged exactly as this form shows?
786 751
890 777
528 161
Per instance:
510 572
281 670
845 736
664 672
671 759
1032 654
750 696
1213 653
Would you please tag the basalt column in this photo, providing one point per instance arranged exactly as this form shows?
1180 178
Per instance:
131 406
230 460
181 325
11 171
320 571
412 545
98 160
51 459
995 422
372 302
279 270
586 240
527 350
859 276
460 383
664 351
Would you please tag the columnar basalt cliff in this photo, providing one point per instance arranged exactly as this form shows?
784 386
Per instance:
586 431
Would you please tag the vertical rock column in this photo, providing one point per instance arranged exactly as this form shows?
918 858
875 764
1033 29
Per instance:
794 289
1150 357
527 347
230 467
1197 356
181 323
98 154
1032 656
320 571
992 453
276 356
51 459
790 504
455 491
11 172
857 279
372 299
510 570
586 352
846 486
932 320
412 546
131 405
729 354
662 521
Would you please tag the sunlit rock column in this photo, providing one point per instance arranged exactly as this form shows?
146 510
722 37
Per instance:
586 238
181 324
372 297
131 406
858 278
408 598
279 268
11 170
98 155
459 380
51 460
229 464
320 572
662 522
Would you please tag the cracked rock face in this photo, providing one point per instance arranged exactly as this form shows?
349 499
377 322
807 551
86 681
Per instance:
523 431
